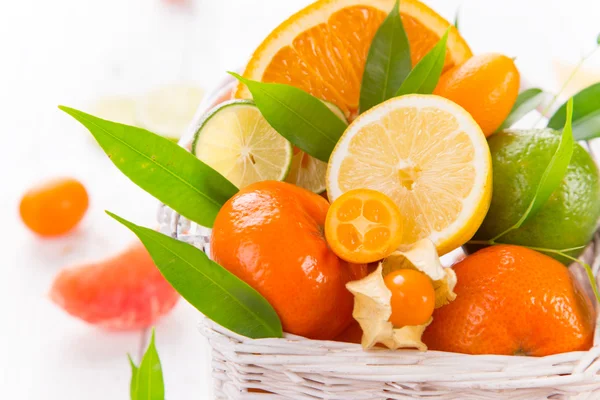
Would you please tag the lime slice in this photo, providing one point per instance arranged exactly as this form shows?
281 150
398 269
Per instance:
168 110
336 110
236 140
307 171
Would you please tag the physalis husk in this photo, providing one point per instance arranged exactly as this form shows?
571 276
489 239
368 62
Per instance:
372 298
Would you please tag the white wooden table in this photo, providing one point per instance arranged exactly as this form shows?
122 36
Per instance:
71 52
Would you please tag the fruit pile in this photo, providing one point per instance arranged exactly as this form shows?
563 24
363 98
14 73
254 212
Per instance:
363 142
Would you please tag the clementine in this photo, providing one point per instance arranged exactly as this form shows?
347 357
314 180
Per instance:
270 235
513 301
486 86
55 207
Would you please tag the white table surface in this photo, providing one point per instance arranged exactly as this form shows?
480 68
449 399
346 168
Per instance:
71 52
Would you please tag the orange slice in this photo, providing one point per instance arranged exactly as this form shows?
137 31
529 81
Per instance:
322 49
363 226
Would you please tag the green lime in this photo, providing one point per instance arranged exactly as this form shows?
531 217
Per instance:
237 141
569 218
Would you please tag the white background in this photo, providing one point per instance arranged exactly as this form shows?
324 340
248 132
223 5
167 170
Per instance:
73 51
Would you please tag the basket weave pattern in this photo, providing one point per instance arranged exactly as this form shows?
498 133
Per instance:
298 368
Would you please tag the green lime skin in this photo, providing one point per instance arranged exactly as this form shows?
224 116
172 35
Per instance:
569 218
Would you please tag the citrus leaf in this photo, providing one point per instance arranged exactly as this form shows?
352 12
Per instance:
133 386
457 19
586 114
388 62
214 291
553 174
527 101
161 167
298 116
148 384
425 75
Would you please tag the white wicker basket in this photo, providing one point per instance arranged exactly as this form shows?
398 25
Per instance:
298 368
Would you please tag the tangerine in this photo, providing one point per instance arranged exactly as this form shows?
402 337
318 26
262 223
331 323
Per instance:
55 207
270 235
486 86
513 301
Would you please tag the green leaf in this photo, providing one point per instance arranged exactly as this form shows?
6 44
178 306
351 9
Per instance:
457 18
213 290
388 62
425 76
133 386
527 101
298 116
553 174
161 167
598 40
586 114
148 384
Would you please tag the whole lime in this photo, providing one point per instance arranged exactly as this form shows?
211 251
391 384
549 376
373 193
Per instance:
568 219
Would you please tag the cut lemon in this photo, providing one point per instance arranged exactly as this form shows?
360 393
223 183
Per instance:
309 172
363 226
429 156
236 141
168 110
323 48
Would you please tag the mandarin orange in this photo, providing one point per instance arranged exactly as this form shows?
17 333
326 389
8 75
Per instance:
270 235
55 207
513 301
486 86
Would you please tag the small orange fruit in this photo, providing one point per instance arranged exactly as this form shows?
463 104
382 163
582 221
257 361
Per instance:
513 301
413 297
270 235
54 208
363 226
486 86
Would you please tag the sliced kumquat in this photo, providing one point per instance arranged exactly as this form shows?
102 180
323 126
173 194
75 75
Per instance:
363 225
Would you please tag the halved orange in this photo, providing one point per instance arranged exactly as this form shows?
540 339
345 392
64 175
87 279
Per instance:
323 48
363 226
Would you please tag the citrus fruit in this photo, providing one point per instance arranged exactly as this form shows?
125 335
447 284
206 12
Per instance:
119 109
168 110
309 172
124 292
236 141
513 301
270 235
486 86
363 226
55 207
429 156
570 216
322 49
413 297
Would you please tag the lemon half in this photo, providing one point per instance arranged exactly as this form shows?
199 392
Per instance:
429 156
